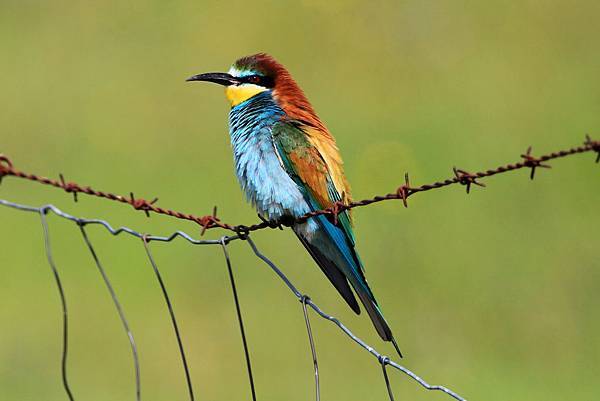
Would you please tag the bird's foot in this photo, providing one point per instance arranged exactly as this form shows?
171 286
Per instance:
283 221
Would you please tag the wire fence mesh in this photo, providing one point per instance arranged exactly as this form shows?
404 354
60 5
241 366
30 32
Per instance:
240 233
224 241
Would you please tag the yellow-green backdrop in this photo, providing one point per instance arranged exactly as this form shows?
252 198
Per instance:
494 294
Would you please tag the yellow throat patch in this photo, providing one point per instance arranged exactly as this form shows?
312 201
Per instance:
237 94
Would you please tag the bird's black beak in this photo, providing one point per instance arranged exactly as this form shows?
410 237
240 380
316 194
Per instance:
220 78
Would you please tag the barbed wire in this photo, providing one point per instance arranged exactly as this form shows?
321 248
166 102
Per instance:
224 241
403 192
242 232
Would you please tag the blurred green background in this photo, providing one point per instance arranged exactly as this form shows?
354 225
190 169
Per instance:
495 295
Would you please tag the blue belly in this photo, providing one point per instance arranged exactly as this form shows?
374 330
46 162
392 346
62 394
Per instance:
258 168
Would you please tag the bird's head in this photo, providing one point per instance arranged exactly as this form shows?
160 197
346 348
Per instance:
246 78
252 75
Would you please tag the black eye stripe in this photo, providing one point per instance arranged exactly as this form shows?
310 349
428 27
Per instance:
267 82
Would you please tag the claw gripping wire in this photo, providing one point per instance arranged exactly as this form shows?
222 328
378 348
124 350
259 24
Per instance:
271 223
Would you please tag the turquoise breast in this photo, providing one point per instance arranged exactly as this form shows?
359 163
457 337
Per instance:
258 168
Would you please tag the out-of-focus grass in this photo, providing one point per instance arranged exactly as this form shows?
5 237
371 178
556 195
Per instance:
494 295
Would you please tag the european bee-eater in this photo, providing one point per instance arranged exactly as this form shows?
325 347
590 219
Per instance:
288 164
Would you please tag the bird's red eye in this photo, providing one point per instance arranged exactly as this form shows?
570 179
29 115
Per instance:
254 79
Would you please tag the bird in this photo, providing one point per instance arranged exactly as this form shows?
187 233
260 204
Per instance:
288 164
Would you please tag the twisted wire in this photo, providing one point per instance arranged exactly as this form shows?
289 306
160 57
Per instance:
403 192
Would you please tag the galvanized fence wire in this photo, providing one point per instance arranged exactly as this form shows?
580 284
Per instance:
63 304
121 312
304 299
313 350
163 288
238 310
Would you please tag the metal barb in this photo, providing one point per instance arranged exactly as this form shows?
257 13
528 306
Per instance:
63 302
465 178
5 166
208 221
384 360
404 190
337 208
239 316
117 304
533 162
163 288
142 204
594 145
304 299
69 187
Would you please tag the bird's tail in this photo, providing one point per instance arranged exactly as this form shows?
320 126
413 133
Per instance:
335 255
374 312
381 325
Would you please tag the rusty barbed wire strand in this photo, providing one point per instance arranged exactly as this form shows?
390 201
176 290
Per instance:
403 192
